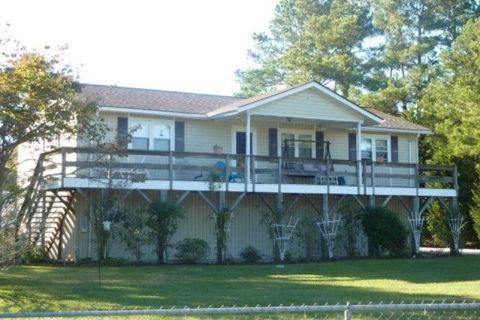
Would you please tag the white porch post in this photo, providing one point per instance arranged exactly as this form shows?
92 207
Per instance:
359 153
248 147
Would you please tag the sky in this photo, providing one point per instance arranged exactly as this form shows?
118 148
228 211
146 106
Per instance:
179 45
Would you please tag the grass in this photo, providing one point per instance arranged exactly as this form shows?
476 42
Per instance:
45 288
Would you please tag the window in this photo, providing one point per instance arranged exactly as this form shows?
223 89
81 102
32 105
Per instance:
366 148
299 145
375 149
381 150
140 143
151 136
140 137
161 138
305 146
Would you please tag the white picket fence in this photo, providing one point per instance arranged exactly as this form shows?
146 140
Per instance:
348 310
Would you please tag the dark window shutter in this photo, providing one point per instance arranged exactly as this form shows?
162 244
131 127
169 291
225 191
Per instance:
272 142
179 136
122 131
394 145
242 143
352 146
319 143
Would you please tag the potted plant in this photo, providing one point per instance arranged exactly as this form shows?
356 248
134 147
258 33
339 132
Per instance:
217 149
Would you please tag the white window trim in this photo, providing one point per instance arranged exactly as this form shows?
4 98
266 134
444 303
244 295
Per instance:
374 146
296 133
236 129
132 123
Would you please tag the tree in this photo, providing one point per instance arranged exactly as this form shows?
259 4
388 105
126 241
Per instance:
222 220
105 213
162 221
39 101
385 231
310 40
381 53
131 229
412 33
452 107
475 210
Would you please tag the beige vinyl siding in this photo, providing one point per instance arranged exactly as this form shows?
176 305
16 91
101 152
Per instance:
338 143
407 148
262 139
308 104
248 227
202 135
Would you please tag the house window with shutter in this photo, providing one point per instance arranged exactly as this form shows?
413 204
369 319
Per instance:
151 135
297 143
375 148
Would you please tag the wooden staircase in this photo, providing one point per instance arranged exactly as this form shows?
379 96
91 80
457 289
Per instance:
46 216
52 218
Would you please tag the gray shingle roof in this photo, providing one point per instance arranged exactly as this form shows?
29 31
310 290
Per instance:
201 104
158 100
392 122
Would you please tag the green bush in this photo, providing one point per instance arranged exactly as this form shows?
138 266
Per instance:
162 220
35 256
131 230
250 255
385 232
350 231
115 262
307 233
191 250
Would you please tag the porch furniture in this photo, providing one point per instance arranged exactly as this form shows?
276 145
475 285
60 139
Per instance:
233 176
317 172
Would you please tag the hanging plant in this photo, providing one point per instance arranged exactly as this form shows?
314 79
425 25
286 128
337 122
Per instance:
215 178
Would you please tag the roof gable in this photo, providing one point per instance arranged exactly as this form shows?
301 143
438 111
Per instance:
308 104
313 86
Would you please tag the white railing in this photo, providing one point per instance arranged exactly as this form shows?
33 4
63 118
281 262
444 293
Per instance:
195 166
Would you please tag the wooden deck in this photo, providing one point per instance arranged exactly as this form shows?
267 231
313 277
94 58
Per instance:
158 170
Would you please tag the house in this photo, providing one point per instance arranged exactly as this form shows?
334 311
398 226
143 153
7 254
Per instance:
309 152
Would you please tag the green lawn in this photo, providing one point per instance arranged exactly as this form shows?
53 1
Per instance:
76 288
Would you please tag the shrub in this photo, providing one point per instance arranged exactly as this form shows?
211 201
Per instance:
115 262
250 255
385 231
132 231
35 255
437 224
162 221
191 250
351 230
307 232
